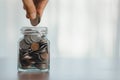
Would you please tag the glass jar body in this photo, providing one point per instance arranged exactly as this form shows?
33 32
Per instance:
34 52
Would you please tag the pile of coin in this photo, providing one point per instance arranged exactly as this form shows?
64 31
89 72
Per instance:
33 52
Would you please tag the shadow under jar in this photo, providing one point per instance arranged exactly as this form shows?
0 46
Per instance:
34 53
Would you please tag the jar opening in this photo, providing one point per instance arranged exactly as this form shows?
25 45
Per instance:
34 31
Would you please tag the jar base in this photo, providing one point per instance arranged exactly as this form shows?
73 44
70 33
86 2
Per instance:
32 70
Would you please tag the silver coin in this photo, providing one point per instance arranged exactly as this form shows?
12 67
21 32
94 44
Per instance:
39 57
28 39
26 56
35 21
23 45
43 50
43 46
35 38
43 41
27 31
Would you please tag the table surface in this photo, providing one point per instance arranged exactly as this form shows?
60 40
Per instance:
66 69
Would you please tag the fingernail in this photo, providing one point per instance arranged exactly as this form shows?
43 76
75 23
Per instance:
33 15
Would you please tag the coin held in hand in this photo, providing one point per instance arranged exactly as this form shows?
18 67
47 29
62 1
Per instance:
35 21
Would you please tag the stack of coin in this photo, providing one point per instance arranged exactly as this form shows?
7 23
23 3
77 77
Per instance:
33 52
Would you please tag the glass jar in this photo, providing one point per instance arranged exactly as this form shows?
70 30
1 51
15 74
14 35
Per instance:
34 53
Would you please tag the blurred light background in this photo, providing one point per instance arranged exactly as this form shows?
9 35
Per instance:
76 28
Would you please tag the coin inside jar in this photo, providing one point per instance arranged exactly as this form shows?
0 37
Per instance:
23 45
42 66
34 49
44 56
34 46
35 38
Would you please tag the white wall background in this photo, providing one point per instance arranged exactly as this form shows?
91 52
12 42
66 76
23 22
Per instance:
77 28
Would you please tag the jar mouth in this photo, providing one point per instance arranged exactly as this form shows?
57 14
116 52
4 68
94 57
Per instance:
34 30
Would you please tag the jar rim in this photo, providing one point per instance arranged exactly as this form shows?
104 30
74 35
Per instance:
30 30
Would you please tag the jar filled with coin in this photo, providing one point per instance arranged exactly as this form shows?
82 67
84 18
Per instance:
34 53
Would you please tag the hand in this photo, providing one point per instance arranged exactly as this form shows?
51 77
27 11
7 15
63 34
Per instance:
34 8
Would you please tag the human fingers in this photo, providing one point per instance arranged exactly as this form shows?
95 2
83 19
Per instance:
30 8
40 6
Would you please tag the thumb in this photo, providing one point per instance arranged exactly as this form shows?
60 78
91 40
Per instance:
41 6
30 8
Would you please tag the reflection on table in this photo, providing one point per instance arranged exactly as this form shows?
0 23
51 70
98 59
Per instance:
33 76
66 69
